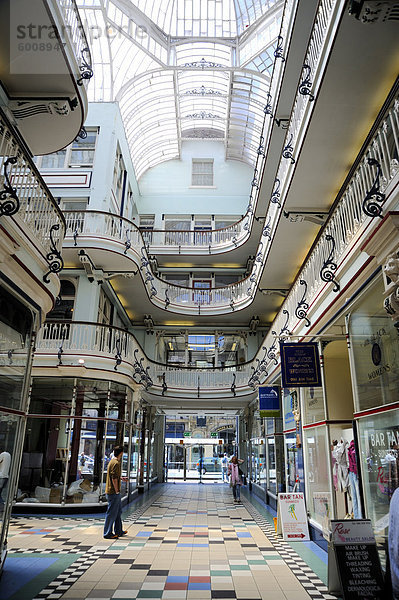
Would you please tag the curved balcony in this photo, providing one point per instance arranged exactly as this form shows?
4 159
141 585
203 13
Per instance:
95 347
45 70
87 228
216 241
34 220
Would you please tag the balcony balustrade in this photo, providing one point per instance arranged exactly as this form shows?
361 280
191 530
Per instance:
78 40
361 202
67 342
25 197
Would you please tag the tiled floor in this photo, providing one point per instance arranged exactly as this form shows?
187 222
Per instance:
184 542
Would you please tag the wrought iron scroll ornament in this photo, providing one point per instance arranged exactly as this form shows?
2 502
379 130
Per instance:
128 245
278 53
303 306
271 353
306 84
53 257
140 375
167 300
255 182
267 230
284 332
86 71
233 386
329 266
9 201
261 149
164 385
288 149
118 355
268 107
203 64
369 205
275 197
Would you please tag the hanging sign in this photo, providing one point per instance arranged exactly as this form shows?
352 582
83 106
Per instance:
357 560
292 518
300 364
269 401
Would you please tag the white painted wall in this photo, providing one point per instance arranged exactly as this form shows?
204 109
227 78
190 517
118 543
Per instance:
166 188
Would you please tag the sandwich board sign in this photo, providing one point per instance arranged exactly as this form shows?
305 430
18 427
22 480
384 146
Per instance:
355 560
292 520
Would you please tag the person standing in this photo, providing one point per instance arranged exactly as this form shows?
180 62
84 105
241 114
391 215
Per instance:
5 464
234 472
225 462
113 520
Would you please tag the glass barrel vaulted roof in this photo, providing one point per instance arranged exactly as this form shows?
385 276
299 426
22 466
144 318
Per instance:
183 69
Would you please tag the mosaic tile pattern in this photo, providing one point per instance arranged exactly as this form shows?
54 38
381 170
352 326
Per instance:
186 542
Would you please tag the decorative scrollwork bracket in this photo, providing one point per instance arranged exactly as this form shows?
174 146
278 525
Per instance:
329 266
369 204
278 53
118 355
275 197
53 257
288 149
9 201
86 70
306 84
303 306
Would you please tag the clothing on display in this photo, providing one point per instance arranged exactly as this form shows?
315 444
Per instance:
354 481
340 454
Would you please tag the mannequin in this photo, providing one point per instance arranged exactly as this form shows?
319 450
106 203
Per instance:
353 481
339 453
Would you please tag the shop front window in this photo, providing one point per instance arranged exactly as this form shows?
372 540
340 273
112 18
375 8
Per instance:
319 497
66 453
9 425
312 405
15 331
379 459
375 351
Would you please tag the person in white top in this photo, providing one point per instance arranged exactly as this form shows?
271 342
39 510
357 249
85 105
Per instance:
5 463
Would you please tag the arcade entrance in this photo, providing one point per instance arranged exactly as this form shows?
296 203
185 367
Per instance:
195 447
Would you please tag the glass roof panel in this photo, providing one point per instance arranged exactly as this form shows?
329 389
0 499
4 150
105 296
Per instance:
169 85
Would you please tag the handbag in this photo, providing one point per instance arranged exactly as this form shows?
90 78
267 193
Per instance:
243 477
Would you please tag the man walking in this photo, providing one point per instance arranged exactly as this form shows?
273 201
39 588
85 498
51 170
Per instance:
113 521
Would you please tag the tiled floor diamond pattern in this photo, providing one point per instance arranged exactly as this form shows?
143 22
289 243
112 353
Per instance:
186 542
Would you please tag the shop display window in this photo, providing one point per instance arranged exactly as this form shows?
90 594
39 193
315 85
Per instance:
9 426
313 409
15 332
375 351
379 460
66 454
318 489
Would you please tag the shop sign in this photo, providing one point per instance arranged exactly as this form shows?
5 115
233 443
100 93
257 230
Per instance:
269 401
357 559
187 434
300 364
292 520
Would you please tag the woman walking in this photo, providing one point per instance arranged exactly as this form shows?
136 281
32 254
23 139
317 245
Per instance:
234 473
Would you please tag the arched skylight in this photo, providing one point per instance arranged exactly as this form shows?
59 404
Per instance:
183 69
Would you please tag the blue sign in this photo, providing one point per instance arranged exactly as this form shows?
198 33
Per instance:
269 401
300 364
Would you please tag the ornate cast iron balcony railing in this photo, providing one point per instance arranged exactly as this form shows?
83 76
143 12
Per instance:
25 196
78 39
65 342
96 224
201 242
